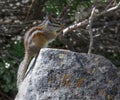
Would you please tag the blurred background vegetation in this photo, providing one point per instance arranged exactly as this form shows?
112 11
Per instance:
16 16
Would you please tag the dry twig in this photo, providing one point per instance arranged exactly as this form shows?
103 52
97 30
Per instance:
75 26
90 31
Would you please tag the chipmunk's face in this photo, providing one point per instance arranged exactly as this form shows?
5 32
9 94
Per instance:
53 24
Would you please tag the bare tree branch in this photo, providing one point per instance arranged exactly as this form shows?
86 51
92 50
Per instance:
75 26
90 31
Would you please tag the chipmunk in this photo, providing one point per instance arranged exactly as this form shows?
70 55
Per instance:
36 38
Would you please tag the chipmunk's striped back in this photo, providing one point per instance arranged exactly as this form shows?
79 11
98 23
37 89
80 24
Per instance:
36 38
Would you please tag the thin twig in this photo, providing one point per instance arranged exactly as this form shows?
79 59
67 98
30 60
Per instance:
90 31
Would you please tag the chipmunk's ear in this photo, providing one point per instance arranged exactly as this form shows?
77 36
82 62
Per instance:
47 19
48 16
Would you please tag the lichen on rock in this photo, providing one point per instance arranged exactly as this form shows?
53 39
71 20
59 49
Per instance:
66 75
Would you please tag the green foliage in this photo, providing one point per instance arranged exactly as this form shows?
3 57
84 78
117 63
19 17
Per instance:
18 49
9 65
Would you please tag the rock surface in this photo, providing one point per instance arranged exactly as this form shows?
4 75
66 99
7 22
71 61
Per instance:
66 75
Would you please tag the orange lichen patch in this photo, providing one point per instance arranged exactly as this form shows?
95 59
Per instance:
80 82
66 80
